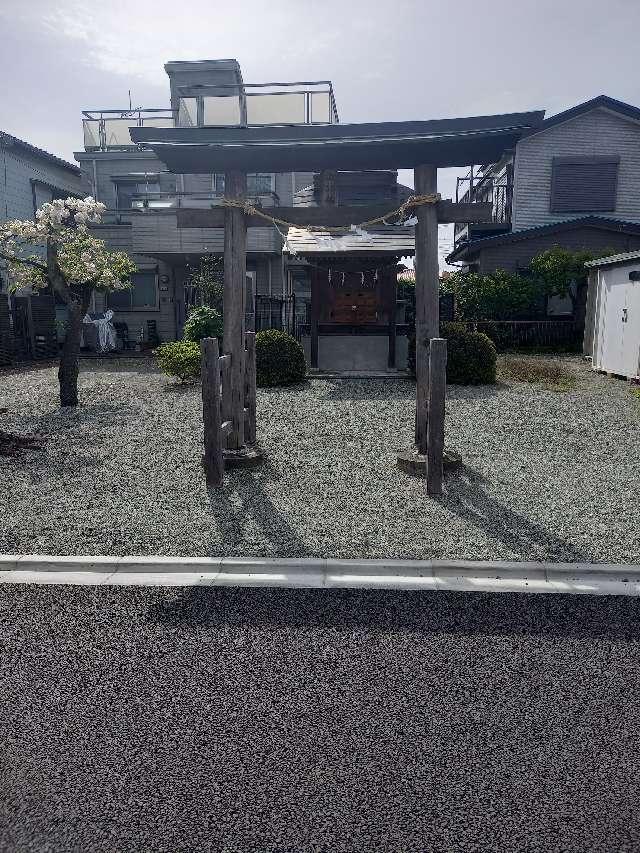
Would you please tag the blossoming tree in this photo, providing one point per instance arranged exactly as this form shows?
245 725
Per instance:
73 264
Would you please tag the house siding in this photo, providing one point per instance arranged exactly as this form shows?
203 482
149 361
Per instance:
596 133
118 165
517 255
18 168
164 315
155 233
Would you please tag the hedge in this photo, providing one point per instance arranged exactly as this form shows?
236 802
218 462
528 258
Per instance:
471 356
279 359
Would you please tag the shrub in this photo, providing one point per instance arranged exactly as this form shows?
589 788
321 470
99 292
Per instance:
203 322
548 372
279 359
471 356
179 358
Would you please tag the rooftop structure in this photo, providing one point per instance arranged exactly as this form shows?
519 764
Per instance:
212 94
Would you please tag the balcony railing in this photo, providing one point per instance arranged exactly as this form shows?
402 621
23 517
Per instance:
168 202
499 194
106 130
258 105
249 105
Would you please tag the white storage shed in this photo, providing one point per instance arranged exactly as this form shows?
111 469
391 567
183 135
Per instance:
612 322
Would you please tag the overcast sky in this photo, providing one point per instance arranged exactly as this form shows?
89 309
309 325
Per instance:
405 59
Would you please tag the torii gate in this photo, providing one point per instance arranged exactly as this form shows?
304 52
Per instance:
423 145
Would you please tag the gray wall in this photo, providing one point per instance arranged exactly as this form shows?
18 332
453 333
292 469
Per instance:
596 133
18 167
119 237
106 166
517 255
159 232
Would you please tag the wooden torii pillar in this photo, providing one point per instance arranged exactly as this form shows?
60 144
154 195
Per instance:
235 407
431 350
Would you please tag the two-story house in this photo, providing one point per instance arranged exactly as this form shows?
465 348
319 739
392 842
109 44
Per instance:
29 177
574 181
143 198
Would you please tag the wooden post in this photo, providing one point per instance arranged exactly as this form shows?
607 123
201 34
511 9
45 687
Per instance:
427 287
235 272
327 180
315 310
391 285
435 407
250 387
210 371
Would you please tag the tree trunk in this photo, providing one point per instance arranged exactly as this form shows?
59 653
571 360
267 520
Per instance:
69 368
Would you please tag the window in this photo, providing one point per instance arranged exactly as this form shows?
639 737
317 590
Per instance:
188 112
142 295
257 183
131 193
584 184
43 193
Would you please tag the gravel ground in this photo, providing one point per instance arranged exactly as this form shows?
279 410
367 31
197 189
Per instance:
548 475
263 721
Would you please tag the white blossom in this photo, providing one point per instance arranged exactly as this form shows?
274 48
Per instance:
82 258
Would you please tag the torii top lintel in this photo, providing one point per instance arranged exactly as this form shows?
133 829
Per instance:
386 145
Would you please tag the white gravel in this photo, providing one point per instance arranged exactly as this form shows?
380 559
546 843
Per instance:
547 475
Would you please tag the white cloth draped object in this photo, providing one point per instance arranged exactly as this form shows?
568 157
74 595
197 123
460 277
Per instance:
107 338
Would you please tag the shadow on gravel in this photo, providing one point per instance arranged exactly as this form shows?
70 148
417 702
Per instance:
253 504
467 498
388 612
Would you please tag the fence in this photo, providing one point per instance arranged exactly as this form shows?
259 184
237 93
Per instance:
6 335
274 312
215 371
532 334
34 327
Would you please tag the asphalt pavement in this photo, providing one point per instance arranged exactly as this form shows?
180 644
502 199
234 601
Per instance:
291 721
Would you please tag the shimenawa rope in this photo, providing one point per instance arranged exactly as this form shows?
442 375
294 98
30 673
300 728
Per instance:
401 212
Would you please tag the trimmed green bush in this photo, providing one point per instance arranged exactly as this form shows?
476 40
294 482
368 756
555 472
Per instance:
203 322
179 358
279 359
471 356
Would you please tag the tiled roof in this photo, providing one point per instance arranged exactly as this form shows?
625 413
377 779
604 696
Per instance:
614 259
7 141
607 223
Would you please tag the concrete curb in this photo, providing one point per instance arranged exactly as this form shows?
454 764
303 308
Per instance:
308 573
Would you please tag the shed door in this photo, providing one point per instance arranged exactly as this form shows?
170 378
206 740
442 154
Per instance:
611 326
620 323
630 349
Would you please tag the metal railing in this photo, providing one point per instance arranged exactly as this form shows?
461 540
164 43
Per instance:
274 312
169 202
223 105
499 195
106 130
532 334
